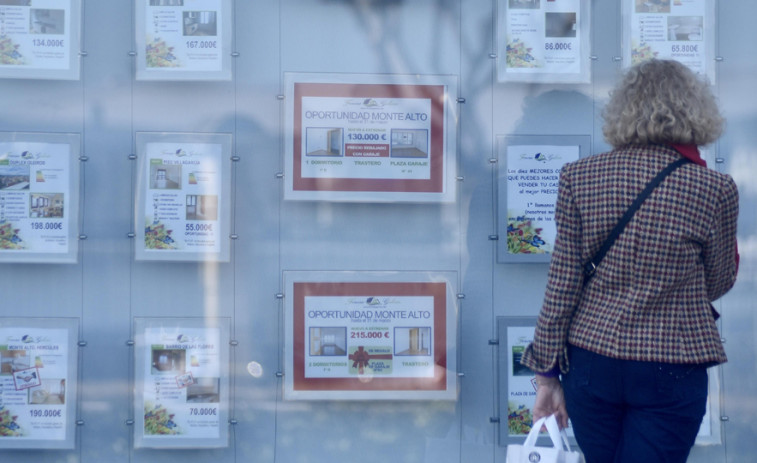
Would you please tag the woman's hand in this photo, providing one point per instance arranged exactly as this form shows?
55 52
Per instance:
550 400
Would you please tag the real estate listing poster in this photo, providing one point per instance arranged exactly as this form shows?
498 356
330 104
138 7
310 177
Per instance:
544 41
183 196
39 197
183 39
40 39
681 30
370 138
369 337
529 172
38 373
182 392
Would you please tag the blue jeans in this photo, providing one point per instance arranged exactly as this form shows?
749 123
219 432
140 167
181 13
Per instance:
625 411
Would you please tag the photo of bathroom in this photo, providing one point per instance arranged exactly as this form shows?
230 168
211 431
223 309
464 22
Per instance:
653 6
407 143
46 21
202 207
685 28
46 205
328 341
321 141
412 341
166 361
164 176
200 23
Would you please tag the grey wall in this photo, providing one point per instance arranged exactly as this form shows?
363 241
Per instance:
106 289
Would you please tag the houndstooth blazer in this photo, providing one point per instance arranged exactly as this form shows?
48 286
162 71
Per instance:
649 299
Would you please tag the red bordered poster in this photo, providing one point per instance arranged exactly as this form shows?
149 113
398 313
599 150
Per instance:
370 138
363 338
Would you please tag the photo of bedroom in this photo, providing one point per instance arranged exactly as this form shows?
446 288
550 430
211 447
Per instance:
323 141
328 341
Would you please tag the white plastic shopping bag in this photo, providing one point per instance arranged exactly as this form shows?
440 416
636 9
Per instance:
560 451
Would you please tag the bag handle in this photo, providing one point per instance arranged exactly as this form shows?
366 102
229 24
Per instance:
554 430
559 437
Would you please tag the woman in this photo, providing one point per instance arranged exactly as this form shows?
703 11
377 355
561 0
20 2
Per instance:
633 343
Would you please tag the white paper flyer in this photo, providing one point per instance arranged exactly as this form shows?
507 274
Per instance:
681 30
182 383
183 39
38 201
183 198
544 40
34 373
532 176
39 36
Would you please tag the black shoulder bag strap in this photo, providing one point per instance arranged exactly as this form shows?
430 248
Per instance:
591 266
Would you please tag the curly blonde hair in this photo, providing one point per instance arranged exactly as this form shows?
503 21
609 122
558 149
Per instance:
661 101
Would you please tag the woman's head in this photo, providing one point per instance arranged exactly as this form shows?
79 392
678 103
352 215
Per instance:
660 101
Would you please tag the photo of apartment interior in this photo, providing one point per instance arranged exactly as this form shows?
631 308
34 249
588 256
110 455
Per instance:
323 141
165 177
13 360
46 205
49 392
166 2
529 4
653 6
409 143
169 361
14 177
200 23
685 28
204 390
328 341
202 207
417 341
46 21
560 25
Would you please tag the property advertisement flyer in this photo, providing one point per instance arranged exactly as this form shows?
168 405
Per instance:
521 388
39 38
181 386
353 340
38 201
544 40
183 39
35 376
533 172
681 30
184 200
385 141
